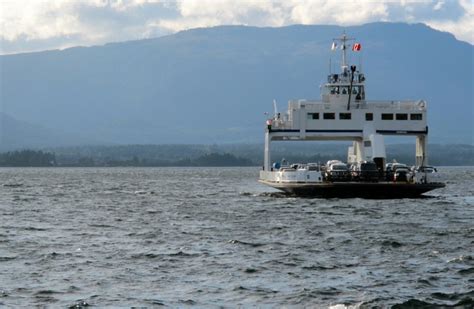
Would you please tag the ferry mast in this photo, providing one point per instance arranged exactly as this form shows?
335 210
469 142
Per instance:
343 39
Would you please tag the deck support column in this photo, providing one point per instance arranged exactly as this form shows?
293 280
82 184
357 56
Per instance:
421 155
266 158
359 150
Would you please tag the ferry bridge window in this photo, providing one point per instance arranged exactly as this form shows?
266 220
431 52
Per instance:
345 90
345 116
313 115
387 116
329 116
402 116
369 116
416 117
334 90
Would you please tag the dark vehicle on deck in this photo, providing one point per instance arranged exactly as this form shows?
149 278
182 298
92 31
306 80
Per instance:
337 171
365 171
400 173
390 170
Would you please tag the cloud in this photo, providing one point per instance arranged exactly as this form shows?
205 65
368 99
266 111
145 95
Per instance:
207 13
66 23
453 16
345 13
26 24
36 20
462 27
438 5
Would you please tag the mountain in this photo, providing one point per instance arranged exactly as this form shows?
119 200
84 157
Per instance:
213 85
16 134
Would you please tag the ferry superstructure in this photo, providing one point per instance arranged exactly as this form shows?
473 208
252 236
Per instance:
344 114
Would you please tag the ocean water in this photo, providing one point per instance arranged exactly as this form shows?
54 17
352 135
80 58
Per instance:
215 237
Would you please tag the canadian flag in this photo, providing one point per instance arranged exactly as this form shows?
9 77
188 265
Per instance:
356 47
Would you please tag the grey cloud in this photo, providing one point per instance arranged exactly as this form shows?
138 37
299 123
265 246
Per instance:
451 10
95 24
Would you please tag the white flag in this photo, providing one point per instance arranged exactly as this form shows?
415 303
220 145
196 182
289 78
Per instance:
334 46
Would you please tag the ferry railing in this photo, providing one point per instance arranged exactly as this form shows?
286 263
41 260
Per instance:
408 105
281 124
398 105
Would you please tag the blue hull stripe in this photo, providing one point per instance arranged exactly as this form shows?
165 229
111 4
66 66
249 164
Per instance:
352 131
319 131
401 132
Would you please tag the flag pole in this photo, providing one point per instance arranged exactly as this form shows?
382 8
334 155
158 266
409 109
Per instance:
344 49
343 39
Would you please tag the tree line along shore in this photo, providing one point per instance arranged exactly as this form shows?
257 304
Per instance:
214 155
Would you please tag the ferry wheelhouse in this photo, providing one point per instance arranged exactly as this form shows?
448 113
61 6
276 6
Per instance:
344 114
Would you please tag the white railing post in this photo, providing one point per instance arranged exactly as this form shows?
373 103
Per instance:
421 155
266 158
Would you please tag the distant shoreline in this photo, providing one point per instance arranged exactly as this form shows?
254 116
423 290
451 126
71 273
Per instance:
228 155
139 167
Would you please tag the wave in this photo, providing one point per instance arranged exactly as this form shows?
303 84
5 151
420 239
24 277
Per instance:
13 185
160 255
239 242
453 300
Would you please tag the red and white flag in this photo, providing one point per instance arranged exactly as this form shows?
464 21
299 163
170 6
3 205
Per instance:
356 47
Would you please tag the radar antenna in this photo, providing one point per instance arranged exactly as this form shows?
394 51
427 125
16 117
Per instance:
343 39
353 68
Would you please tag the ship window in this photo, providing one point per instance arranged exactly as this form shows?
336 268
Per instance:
329 116
369 116
313 115
345 116
367 143
416 116
387 116
402 116
357 92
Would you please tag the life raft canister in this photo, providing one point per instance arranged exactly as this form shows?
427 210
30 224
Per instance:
269 124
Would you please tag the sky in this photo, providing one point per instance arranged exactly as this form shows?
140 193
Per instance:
35 25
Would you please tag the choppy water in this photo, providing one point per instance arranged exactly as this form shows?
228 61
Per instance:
210 237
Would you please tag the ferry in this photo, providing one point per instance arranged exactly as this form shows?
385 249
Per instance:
344 114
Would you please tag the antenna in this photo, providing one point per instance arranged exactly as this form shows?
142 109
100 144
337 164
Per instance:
353 69
275 110
343 39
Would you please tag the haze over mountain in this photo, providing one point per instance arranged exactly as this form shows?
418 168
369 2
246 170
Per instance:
15 134
213 85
